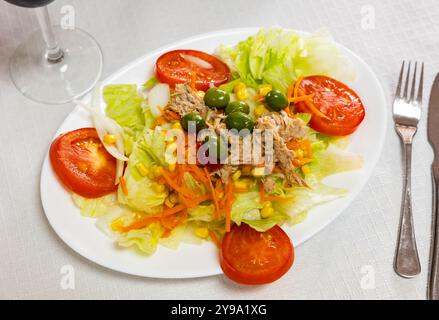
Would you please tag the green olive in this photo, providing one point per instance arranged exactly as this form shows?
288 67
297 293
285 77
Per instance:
238 106
276 100
239 121
216 98
195 118
220 145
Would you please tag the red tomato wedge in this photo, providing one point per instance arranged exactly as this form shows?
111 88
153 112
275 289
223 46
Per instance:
255 258
186 66
336 109
82 163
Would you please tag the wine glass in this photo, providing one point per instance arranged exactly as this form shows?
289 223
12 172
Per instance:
54 65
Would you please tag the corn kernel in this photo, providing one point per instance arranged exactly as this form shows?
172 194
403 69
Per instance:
157 171
158 187
258 172
267 204
202 233
241 91
240 184
201 94
265 89
169 203
177 126
142 169
237 175
243 183
306 170
110 139
239 87
260 110
267 212
299 153
242 95
117 224
173 197
172 167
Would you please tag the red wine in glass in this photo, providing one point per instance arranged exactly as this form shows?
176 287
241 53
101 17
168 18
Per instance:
30 3
54 65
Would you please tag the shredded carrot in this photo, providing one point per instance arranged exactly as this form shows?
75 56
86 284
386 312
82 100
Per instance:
278 199
192 203
301 98
139 224
159 121
296 86
198 174
241 190
171 211
313 108
212 191
170 181
218 186
123 185
259 98
215 239
166 233
171 115
228 205
288 111
290 91
170 222
301 162
193 80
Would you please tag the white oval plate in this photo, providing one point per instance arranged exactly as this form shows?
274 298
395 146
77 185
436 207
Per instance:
191 261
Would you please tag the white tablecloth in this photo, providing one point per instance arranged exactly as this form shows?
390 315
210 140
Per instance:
352 258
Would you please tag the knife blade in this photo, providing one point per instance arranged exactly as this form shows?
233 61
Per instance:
433 137
433 115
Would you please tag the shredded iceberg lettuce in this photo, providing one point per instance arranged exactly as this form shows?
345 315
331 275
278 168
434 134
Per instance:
144 240
124 105
94 208
277 56
148 150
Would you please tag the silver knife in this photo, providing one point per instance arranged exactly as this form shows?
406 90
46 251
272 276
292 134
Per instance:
433 137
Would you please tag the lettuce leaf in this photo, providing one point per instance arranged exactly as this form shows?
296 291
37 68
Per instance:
246 207
303 199
201 213
124 105
332 160
141 195
94 208
263 225
279 56
144 240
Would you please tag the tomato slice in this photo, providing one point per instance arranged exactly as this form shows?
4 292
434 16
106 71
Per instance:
254 258
338 109
82 163
179 66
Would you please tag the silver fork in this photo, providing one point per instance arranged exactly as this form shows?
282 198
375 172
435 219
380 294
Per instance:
406 114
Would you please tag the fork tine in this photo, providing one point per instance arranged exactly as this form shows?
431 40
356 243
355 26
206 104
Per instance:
407 79
421 86
398 89
412 91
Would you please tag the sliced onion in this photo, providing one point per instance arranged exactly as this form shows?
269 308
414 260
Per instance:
105 125
199 62
158 98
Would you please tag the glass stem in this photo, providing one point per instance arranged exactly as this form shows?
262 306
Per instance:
54 53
